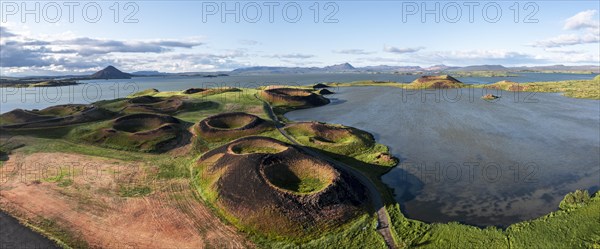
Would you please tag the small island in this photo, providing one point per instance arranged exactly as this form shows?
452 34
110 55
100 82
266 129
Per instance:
489 96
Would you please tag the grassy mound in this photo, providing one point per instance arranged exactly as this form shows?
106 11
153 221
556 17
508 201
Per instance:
194 90
319 86
293 97
341 140
489 96
507 86
54 116
154 104
436 82
144 132
147 92
227 126
18 116
209 91
283 192
586 89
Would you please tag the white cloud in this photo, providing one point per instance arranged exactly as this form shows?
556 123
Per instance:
568 40
31 55
584 22
584 19
291 56
396 50
352 51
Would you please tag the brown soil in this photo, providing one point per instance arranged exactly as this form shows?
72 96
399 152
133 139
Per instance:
249 190
293 97
231 125
90 209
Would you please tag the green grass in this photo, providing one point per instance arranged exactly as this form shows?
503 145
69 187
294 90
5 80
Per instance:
309 185
54 231
583 89
357 234
146 92
134 191
573 228
250 150
299 178
356 144
302 186
483 74
63 178
93 134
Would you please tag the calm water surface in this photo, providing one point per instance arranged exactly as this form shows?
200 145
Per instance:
465 159
95 90
15 235
468 160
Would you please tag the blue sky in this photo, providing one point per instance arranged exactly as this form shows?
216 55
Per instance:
172 36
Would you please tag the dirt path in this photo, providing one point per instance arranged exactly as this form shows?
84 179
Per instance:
88 203
383 217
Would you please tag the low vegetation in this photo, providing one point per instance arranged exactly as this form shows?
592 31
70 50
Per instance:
341 140
583 89
572 228
483 74
36 83
285 196
276 194
136 132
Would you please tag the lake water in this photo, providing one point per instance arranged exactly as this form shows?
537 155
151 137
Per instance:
473 161
15 235
95 90
553 143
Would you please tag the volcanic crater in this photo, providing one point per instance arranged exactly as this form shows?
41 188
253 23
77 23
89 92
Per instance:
231 125
293 97
275 187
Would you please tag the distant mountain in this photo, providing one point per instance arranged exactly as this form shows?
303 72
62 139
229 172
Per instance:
440 67
386 68
344 67
480 68
340 67
110 72
563 68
